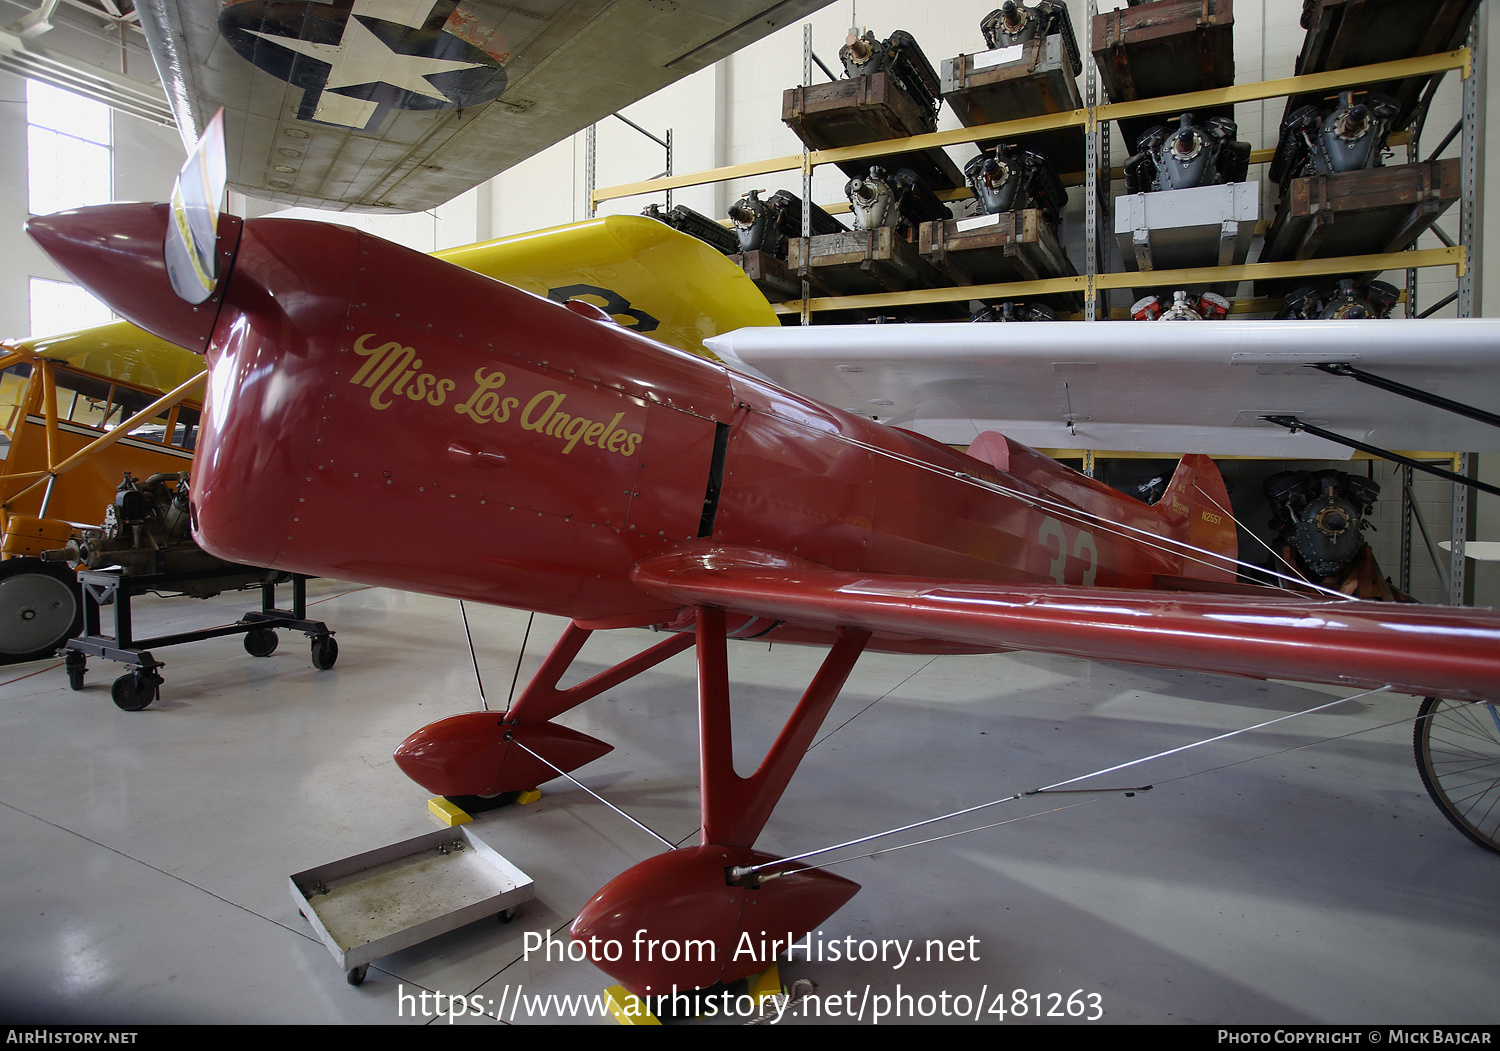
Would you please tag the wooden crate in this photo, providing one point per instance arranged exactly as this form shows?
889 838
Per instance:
1356 213
1164 48
856 262
1023 80
771 276
1345 33
868 109
1010 246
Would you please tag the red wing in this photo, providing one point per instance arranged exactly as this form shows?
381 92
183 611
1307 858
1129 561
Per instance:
1438 650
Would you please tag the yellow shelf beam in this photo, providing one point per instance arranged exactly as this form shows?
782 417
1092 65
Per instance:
1351 264
1082 119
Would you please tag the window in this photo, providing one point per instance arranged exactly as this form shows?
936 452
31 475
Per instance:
61 306
68 150
69 164
95 401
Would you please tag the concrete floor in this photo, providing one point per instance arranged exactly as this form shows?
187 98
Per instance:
144 855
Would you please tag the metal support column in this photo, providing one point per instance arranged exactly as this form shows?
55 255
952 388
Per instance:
1469 180
1413 155
1104 217
590 144
804 271
1090 183
1457 563
1405 575
665 144
1457 568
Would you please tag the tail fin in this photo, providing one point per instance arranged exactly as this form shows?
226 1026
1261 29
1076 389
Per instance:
1195 507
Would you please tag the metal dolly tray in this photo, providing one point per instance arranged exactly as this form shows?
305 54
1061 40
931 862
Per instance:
385 900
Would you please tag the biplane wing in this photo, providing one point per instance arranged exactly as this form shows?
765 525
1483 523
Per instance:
400 105
1147 387
1251 631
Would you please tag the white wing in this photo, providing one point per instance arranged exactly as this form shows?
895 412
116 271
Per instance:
1167 387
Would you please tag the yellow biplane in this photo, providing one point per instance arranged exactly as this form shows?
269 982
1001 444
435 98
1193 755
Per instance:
78 412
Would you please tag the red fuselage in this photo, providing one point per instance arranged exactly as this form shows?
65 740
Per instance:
381 416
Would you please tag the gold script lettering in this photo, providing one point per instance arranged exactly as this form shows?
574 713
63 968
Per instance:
391 370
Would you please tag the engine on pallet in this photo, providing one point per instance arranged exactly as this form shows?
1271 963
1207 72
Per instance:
899 57
1008 178
1012 311
1350 136
1349 299
1319 518
1187 155
146 532
901 201
683 218
1209 306
1015 23
767 225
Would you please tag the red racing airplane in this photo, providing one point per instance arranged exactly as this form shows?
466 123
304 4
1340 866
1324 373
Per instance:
365 399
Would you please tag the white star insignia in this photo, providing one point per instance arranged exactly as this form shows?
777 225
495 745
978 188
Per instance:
360 57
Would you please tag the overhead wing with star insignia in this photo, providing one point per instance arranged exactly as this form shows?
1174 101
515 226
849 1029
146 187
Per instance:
400 105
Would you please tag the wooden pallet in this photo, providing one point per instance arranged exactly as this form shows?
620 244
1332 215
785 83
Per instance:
1023 80
1357 213
990 249
1345 33
868 109
1169 47
856 262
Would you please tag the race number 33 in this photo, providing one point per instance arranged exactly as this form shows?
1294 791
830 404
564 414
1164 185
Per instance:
1053 536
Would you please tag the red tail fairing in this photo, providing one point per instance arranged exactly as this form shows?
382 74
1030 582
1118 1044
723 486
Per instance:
1196 507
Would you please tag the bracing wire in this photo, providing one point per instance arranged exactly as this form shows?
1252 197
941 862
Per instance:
514 679
479 679
1102 793
1170 545
634 821
1277 555
753 869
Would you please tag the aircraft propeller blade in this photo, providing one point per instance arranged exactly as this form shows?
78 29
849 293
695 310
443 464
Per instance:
192 235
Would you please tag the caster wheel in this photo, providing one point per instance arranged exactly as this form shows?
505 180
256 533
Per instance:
324 652
135 690
261 642
356 976
77 664
509 914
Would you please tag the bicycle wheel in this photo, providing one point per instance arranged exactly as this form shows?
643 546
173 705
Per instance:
1458 754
